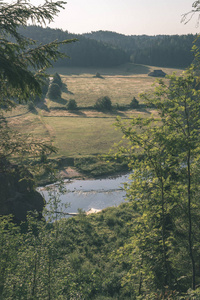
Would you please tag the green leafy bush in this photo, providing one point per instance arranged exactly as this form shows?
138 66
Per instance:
72 105
122 107
103 104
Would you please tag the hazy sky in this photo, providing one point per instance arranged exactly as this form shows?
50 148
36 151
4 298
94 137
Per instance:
130 17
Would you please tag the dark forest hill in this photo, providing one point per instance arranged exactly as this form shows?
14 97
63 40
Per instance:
160 50
83 53
108 49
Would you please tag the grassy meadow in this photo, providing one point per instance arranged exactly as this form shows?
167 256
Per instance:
85 132
121 83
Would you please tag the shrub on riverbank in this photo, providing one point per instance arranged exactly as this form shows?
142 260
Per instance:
94 166
90 166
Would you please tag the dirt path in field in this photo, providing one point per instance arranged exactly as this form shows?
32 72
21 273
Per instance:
48 128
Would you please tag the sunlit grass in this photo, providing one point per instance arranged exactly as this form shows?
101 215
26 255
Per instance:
76 136
121 83
86 131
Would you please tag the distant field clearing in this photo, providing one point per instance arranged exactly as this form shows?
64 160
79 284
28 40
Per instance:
86 131
121 83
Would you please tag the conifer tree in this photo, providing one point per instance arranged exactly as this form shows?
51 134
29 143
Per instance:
22 67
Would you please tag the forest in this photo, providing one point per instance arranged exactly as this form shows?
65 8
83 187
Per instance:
147 248
83 53
159 50
103 48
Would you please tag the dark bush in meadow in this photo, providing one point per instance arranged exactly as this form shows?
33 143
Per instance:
103 104
72 105
134 103
122 107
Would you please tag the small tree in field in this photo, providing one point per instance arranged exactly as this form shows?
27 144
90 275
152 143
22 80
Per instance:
57 79
54 92
103 104
72 105
134 103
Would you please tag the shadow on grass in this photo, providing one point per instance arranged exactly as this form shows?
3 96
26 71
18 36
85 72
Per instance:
65 89
134 69
144 108
78 113
34 111
42 105
115 113
98 77
70 93
59 101
126 69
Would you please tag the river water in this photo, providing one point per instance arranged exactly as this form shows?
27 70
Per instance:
87 194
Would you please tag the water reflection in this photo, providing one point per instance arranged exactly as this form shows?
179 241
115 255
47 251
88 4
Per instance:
87 194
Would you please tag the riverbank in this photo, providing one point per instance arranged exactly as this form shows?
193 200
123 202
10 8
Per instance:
71 173
83 168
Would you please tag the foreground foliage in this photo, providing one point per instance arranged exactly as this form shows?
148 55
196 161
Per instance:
146 249
22 73
22 79
69 259
165 187
84 257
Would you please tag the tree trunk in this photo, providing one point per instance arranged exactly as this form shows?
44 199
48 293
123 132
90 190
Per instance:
190 223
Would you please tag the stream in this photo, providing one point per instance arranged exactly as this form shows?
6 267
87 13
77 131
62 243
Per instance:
87 194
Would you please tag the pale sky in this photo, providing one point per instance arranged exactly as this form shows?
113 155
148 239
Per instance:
130 17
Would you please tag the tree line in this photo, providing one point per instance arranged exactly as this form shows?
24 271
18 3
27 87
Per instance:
160 50
107 49
84 53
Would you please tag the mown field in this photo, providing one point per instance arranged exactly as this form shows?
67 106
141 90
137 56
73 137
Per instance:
121 83
85 131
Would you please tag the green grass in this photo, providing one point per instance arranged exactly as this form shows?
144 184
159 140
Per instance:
86 132
86 90
124 70
121 83
22 120
75 136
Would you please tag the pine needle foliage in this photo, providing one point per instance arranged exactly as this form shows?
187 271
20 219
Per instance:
22 60
22 73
